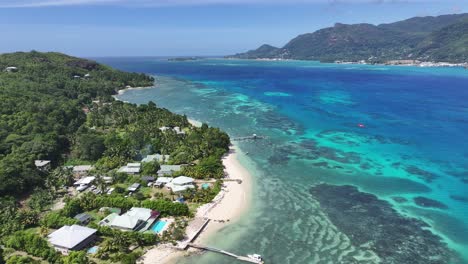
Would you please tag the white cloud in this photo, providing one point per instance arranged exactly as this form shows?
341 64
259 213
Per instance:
162 3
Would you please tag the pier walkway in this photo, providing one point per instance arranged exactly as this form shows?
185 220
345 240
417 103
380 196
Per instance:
224 252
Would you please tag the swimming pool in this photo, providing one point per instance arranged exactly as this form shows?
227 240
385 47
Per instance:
93 250
158 226
205 185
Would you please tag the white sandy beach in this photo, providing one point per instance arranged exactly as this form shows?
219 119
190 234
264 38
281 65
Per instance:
228 206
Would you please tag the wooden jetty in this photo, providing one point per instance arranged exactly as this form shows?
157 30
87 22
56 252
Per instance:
252 137
224 252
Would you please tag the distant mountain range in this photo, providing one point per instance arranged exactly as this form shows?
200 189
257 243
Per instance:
441 38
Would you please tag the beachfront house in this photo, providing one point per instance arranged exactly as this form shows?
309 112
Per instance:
181 184
131 168
135 219
156 157
82 169
73 237
43 165
166 170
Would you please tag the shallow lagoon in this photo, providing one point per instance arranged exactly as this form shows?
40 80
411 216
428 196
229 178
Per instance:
412 144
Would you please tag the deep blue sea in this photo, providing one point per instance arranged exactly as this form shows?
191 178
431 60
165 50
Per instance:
400 133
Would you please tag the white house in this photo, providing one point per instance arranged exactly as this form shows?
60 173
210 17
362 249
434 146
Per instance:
42 164
11 69
73 237
131 168
135 219
161 181
85 181
181 184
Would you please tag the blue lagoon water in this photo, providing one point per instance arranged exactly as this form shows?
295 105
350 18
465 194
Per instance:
399 133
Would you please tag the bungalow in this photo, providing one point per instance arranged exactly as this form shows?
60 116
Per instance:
168 169
161 181
181 184
85 181
134 187
179 131
107 179
131 168
148 179
82 169
136 219
42 165
11 69
73 237
158 157
83 218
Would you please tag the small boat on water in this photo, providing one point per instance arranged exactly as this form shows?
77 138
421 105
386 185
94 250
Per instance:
256 257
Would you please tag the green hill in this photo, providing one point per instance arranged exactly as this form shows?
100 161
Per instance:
439 38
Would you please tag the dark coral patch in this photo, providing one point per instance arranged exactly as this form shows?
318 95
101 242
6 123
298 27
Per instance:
426 202
399 199
420 173
367 220
459 198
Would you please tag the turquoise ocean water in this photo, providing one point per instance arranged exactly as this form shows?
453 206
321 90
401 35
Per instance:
399 133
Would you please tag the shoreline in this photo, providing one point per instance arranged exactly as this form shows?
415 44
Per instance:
422 64
232 202
234 198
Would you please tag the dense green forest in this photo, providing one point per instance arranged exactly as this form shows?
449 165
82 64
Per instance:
60 108
43 116
442 38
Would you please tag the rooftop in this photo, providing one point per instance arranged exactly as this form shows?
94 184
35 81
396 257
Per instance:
132 218
85 180
81 168
70 236
41 163
182 180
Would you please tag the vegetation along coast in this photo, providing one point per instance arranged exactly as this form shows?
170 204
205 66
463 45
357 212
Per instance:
85 178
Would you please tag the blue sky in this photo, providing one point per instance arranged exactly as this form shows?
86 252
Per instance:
187 27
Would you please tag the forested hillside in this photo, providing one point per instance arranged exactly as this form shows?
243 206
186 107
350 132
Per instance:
47 113
441 38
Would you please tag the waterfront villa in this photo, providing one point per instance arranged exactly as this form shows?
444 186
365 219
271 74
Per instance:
135 219
73 237
181 184
131 168
156 157
169 169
